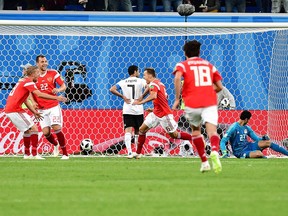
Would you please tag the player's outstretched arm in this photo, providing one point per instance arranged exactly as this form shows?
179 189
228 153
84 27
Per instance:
253 135
62 88
49 97
226 138
177 85
146 91
152 96
32 101
31 107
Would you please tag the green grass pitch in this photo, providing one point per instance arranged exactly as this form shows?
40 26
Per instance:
149 186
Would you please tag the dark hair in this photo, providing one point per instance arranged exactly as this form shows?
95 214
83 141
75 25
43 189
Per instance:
245 115
30 70
150 71
39 56
192 48
132 69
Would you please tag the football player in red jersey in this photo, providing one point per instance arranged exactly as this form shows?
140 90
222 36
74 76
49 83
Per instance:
14 111
51 111
161 114
201 83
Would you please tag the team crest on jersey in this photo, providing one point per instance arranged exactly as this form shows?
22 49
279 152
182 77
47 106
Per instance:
151 87
245 131
49 79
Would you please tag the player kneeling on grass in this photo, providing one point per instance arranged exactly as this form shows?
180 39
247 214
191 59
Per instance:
14 111
161 114
237 136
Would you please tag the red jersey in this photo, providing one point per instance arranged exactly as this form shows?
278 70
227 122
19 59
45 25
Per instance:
199 76
46 83
161 106
19 94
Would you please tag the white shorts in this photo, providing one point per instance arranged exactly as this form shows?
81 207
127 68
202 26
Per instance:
21 120
51 116
167 122
196 116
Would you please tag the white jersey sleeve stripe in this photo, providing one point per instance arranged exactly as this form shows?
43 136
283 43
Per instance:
182 66
56 76
154 84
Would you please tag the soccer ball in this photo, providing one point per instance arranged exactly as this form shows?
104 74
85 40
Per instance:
225 103
86 146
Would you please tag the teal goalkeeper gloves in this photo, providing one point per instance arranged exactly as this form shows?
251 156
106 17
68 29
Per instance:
225 154
265 137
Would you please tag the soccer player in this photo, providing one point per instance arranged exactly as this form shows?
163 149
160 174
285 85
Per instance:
13 110
30 97
201 82
51 110
133 115
225 100
161 114
237 136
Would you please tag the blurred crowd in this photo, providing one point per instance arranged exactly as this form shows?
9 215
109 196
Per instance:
241 6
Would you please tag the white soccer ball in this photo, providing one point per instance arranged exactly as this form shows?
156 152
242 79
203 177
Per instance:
86 145
225 103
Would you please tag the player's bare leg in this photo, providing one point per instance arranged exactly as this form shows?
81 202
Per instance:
256 154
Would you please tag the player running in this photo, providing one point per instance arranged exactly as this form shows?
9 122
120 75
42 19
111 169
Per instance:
237 136
201 82
161 114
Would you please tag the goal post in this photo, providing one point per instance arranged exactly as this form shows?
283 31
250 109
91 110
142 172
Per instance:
93 56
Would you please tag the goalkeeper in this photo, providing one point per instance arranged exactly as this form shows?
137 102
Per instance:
237 136
226 100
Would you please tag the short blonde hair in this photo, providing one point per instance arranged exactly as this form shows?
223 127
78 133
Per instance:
30 70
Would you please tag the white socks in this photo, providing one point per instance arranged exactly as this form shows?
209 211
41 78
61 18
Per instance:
127 139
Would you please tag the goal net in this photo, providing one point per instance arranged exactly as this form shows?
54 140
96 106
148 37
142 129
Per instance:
91 57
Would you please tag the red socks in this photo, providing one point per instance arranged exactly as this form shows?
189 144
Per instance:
26 139
141 141
62 141
215 140
200 145
51 139
34 142
184 136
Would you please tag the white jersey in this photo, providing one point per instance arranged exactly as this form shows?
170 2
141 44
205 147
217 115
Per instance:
132 88
225 93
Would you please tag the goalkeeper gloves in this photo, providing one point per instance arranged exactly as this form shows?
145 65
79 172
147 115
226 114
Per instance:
225 154
265 137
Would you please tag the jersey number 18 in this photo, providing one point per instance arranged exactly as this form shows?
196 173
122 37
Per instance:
202 75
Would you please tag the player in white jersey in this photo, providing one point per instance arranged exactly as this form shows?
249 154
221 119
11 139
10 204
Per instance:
133 115
226 100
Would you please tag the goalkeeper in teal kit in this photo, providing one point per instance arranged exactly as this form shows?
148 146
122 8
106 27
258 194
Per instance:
237 136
